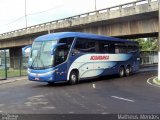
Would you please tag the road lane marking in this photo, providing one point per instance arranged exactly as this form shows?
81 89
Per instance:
148 81
94 86
103 113
71 112
129 100
49 107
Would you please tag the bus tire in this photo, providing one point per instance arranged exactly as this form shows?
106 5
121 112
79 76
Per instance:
73 78
121 71
128 71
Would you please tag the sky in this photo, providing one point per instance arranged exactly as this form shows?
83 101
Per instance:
12 12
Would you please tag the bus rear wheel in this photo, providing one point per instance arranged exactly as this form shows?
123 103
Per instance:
128 71
121 71
73 79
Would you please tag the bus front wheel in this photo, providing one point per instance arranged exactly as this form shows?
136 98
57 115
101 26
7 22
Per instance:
73 79
121 71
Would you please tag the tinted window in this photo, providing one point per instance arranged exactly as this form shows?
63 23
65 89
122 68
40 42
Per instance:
133 48
68 41
106 47
120 48
63 51
61 54
85 45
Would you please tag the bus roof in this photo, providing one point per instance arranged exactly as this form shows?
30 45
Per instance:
60 35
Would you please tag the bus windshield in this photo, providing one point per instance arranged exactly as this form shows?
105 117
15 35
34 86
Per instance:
41 57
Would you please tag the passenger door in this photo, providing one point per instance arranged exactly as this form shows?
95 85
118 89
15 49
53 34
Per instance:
60 62
61 58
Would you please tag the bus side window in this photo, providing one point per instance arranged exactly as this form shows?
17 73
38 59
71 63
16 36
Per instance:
61 54
63 51
104 47
120 48
68 41
111 48
132 48
85 45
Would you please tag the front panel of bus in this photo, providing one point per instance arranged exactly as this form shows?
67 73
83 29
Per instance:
48 60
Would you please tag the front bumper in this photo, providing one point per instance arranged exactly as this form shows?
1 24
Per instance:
41 75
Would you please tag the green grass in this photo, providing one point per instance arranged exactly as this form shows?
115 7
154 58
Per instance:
12 73
2 74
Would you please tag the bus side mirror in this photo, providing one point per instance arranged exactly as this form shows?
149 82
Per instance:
26 50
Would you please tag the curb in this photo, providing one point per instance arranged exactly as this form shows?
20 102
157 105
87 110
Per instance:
155 81
12 80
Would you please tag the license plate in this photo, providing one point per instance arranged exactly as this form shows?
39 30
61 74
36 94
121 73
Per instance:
36 78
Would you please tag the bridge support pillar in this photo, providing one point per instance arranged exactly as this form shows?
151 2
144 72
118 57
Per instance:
15 57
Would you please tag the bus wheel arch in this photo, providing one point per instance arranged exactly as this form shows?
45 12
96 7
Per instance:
74 77
128 70
121 71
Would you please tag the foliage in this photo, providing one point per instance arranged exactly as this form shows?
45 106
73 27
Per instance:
148 44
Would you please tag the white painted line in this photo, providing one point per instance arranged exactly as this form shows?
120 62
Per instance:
71 112
94 86
103 113
129 100
148 81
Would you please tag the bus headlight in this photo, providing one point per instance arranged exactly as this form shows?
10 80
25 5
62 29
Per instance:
48 73
42 74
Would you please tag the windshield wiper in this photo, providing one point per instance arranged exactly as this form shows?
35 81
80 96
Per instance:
36 59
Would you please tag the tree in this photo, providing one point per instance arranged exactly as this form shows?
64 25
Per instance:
148 44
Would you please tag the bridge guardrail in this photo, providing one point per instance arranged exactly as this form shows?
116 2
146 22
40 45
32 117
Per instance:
134 3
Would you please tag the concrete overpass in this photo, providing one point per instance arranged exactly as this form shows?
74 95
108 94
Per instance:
131 20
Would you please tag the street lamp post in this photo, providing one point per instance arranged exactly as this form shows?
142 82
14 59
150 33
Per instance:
25 12
95 5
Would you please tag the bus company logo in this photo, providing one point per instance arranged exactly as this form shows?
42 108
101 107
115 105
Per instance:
101 57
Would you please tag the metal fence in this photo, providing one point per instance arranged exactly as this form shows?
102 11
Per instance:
149 57
13 67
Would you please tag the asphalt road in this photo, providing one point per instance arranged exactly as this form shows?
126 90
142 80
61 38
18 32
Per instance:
102 96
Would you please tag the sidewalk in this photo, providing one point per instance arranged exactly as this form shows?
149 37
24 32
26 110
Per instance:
14 79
